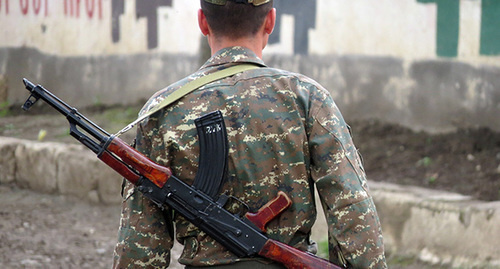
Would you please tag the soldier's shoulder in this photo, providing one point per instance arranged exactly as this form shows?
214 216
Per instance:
160 95
299 79
302 84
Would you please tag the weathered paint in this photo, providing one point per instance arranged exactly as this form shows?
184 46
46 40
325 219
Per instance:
448 26
369 54
144 9
490 25
408 29
448 13
304 20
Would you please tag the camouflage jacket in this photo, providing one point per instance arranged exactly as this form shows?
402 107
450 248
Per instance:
285 134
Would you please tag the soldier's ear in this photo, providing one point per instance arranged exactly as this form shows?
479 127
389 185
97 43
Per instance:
270 21
202 23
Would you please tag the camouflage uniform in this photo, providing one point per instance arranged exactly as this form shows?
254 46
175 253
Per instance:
285 133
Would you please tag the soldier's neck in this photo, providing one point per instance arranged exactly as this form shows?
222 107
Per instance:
256 44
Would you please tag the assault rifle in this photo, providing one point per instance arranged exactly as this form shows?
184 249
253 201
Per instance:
242 235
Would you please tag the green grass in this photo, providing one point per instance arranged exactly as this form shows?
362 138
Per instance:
4 109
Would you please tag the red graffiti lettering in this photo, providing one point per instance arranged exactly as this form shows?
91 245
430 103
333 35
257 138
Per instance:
77 8
99 3
72 8
6 6
66 6
90 8
36 6
99 8
24 6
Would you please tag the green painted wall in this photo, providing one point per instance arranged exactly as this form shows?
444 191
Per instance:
448 21
448 24
490 27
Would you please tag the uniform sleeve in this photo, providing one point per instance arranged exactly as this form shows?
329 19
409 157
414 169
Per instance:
145 235
354 230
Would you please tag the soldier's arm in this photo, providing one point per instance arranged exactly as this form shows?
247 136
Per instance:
145 235
353 226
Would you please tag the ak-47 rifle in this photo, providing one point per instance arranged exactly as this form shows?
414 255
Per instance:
242 235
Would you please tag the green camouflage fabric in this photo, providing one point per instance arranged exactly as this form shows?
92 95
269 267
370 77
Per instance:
285 134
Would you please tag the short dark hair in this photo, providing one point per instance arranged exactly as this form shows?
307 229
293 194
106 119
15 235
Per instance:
235 20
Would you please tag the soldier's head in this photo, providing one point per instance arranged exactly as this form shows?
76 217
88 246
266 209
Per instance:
236 18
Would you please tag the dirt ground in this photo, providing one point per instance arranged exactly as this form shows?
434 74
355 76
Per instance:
58 232
466 161
46 231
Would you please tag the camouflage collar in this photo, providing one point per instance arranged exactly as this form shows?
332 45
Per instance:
233 55
253 2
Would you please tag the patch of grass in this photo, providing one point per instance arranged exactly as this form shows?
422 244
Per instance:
323 248
432 179
425 162
63 134
7 127
4 109
402 261
120 115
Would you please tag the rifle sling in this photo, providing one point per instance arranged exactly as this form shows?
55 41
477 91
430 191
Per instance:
189 87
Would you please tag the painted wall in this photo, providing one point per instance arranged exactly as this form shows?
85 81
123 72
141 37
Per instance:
428 64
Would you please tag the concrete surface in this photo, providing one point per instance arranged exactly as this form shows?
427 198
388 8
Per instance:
57 168
437 227
431 95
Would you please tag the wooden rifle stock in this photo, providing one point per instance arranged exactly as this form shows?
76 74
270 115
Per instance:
293 258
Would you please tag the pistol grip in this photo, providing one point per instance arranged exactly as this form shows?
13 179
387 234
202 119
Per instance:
269 211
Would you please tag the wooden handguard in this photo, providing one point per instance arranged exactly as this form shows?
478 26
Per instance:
269 211
119 167
154 172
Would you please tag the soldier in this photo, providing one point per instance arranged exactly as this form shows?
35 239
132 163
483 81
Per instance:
285 134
